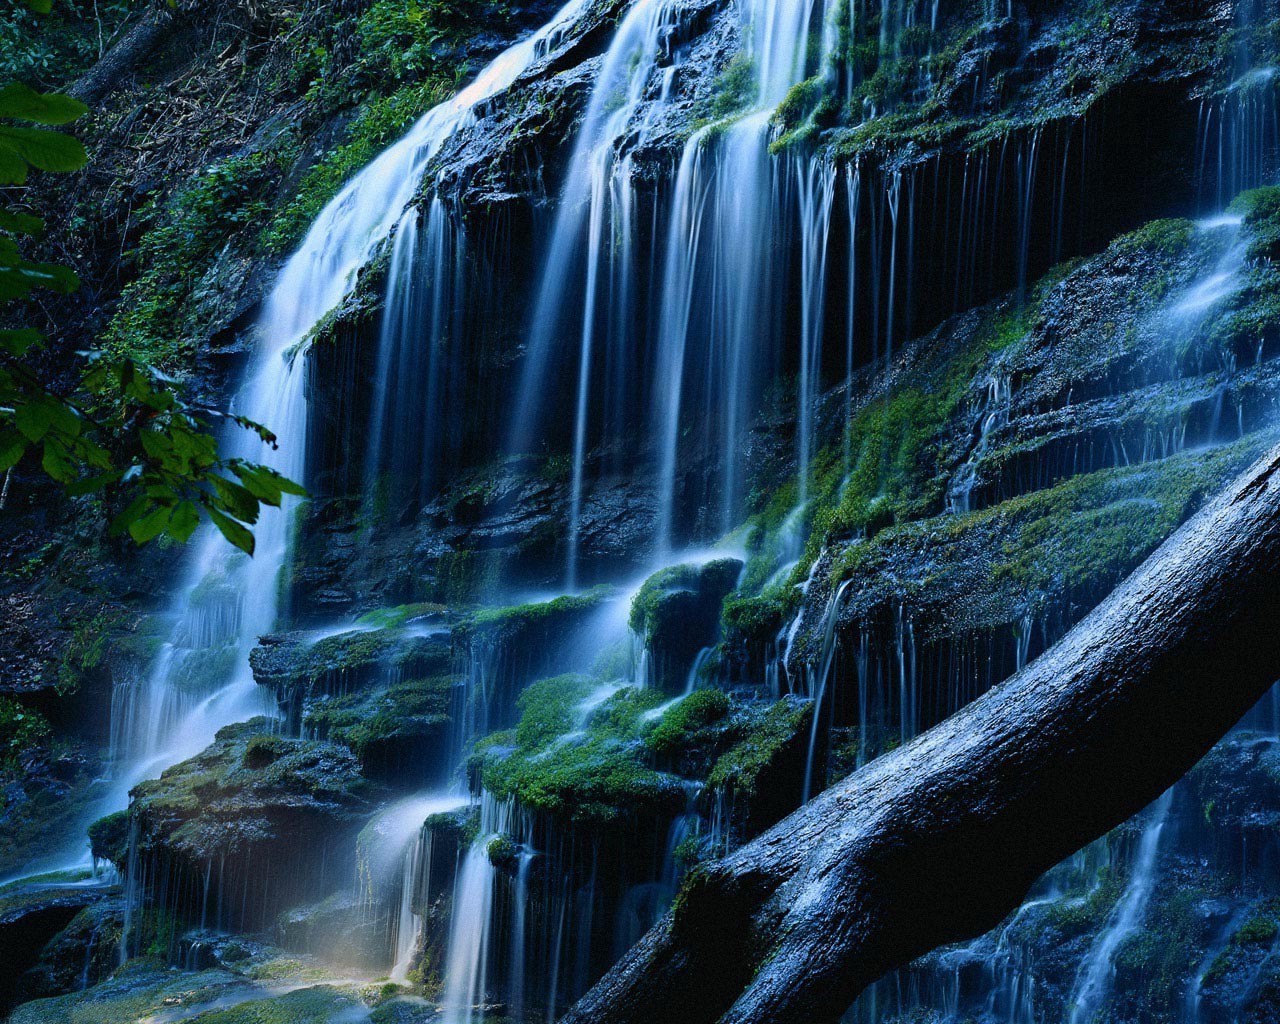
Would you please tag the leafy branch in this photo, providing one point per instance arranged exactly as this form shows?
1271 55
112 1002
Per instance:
124 431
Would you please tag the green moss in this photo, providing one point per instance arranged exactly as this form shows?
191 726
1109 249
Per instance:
109 837
301 1006
1258 930
393 618
740 769
712 578
380 122
412 708
1170 237
501 625
582 764
680 723
735 88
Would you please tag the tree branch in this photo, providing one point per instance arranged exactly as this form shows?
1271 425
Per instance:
939 840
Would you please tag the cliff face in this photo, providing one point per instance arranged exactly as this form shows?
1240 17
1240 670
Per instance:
700 432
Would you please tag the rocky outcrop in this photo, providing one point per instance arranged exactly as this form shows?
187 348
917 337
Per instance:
250 826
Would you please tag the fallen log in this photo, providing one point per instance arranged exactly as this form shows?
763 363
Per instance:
134 47
939 840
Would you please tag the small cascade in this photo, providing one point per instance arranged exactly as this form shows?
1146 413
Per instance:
993 415
819 675
1093 985
393 853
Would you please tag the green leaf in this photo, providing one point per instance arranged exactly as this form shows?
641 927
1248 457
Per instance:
186 517
56 462
20 223
236 499
43 149
34 419
257 480
40 6
13 169
131 512
20 341
12 445
150 526
89 484
16 100
232 530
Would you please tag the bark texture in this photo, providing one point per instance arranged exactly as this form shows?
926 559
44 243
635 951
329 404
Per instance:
123 58
939 840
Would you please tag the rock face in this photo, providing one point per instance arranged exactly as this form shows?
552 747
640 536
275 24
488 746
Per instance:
1032 390
44 924
248 827
677 613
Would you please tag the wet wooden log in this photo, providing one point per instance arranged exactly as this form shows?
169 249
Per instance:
939 840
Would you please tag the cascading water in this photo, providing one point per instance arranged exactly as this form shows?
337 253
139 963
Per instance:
201 680
1094 983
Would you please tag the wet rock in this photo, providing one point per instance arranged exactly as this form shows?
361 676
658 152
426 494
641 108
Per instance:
261 820
677 613
33 912
83 953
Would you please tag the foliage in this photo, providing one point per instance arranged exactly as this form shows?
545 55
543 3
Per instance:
182 236
125 430
21 730
44 46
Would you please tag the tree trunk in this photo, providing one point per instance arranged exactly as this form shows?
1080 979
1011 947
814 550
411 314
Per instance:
134 46
939 840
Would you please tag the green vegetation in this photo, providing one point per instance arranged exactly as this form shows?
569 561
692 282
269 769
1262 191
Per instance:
378 124
599 776
362 721
741 769
679 726
23 733
45 45
532 621
158 320
109 837
125 431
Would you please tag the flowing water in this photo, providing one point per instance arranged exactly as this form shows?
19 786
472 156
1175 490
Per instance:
671 321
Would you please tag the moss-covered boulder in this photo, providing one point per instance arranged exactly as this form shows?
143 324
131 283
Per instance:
578 756
262 821
83 953
761 777
677 614
399 732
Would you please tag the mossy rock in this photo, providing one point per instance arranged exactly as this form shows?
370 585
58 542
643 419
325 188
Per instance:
677 613
580 760
109 837
255 811
298 668
400 733
762 774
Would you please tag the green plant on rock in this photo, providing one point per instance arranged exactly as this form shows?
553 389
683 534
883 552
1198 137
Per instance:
22 732
681 722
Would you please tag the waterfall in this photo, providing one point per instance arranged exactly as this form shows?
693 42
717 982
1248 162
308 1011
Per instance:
392 854
1093 984
201 680
471 929
597 198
